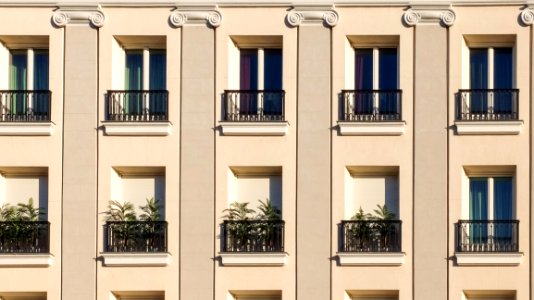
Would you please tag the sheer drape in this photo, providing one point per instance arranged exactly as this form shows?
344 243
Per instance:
40 81
18 81
478 209
133 81
502 79
363 76
158 81
248 67
478 66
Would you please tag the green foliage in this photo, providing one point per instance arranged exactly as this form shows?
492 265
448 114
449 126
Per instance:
268 211
151 211
8 213
238 211
27 212
383 213
361 216
120 211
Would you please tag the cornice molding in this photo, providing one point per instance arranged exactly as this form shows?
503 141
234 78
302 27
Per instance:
443 15
190 15
527 15
312 15
79 14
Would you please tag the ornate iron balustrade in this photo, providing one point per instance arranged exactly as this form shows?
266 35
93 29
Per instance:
371 236
252 236
138 106
487 105
25 106
24 237
135 236
371 105
487 236
254 106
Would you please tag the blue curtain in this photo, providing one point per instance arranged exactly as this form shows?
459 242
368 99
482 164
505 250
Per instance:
133 82
363 76
387 80
478 66
158 82
503 79
18 81
478 209
272 81
502 209
40 81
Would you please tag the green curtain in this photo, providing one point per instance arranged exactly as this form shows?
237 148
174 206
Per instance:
133 82
18 81
478 209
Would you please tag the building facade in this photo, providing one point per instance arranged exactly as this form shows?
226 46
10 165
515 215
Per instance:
269 150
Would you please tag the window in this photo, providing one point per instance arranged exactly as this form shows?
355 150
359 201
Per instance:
373 295
488 209
489 295
256 295
255 79
139 81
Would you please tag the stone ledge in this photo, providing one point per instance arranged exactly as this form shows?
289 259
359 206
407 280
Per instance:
489 259
255 128
254 259
136 259
26 260
26 128
371 259
137 128
488 127
371 128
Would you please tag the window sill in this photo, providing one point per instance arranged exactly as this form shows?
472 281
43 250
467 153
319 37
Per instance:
254 259
371 128
26 128
137 128
136 259
488 127
26 260
371 259
489 259
255 128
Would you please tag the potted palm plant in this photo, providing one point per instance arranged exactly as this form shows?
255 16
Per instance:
150 215
239 231
268 229
384 228
123 213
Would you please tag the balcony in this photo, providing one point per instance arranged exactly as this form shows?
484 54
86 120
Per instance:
371 112
371 236
24 237
25 106
135 236
487 242
137 106
488 111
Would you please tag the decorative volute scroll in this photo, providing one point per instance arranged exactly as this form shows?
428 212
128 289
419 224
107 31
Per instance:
196 15
429 14
312 15
527 15
79 14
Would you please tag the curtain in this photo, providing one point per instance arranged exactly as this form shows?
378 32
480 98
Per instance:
18 81
248 76
478 66
478 209
158 81
40 81
133 81
502 209
387 80
272 77
503 79
363 101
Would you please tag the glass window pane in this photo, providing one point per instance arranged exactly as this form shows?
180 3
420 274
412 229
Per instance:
502 198
387 69
158 82
134 70
478 198
478 68
363 69
272 75
248 68
19 65
40 72
502 68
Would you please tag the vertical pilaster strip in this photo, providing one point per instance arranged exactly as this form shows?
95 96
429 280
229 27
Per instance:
430 152
197 198
80 120
313 153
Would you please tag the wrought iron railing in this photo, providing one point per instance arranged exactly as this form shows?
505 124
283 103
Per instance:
138 106
254 106
25 105
371 236
252 236
371 105
135 236
487 105
24 237
487 236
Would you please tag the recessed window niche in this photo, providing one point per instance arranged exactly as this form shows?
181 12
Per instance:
19 184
